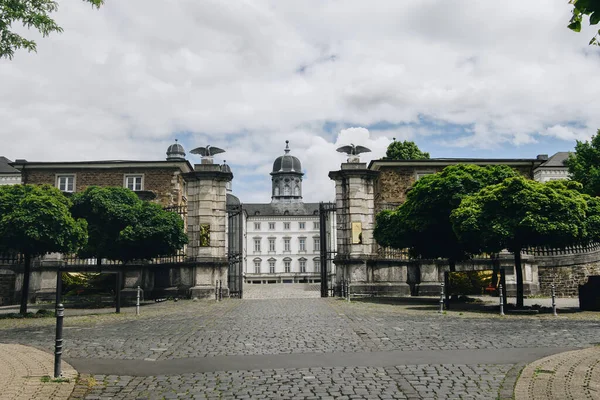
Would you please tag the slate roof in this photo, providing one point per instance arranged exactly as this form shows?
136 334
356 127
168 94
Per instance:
279 209
5 168
557 160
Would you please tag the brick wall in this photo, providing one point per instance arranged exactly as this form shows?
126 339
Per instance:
566 279
393 182
166 183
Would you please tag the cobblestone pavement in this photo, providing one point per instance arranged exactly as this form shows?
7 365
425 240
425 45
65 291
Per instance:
282 291
176 331
21 372
403 382
571 376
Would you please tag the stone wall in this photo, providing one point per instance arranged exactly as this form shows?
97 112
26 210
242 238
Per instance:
166 183
566 279
7 287
392 184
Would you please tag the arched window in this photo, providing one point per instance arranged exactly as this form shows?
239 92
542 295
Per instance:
287 190
297 191
276 191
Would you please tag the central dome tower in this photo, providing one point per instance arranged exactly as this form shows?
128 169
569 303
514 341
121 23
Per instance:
286 178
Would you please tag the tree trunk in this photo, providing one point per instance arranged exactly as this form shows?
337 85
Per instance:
25 289
118 289
495 268
452 265
519 276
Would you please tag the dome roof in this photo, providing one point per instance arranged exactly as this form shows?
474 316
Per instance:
175 152
286 162
232 200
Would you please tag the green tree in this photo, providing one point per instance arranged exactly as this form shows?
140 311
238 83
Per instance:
122 227
581 9
519 213
30 13
405 150
153 233
35 220
108 211
422 223
584 165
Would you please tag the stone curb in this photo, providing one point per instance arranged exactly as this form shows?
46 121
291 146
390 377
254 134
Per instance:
570 375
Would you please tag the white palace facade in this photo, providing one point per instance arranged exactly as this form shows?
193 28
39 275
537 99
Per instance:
282 238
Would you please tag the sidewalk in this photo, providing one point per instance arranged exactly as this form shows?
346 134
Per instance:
570 375
21 372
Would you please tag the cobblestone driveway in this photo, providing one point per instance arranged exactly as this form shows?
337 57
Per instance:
177 331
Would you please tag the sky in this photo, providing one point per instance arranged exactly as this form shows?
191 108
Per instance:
461 78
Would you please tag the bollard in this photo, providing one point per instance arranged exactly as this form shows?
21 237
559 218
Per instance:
137 302
58 345
220 290
348 290
441 298
553 300
217 290
501 299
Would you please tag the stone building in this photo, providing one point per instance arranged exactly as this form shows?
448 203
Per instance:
553 168
8 174
282 242
197 192
362 191
160 181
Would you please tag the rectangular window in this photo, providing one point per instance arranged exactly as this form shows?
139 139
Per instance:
257 245
286 226
302 265
133 182
271 244
421 174
317 265
302 244
257 226
317 244
301 225
288 266
257 267
316 225
286 244
65 183
271 267
271 226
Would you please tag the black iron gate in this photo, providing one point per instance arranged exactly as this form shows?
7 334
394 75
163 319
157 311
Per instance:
235 237
328 247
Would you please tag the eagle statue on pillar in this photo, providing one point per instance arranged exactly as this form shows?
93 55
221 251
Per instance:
353 152
207 151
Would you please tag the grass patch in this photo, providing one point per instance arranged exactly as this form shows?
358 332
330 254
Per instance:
542 371
38 314
47 379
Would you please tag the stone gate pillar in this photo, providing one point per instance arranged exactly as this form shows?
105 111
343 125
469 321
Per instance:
206 222
355 219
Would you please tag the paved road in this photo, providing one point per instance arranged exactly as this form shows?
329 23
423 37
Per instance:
282 291
305 348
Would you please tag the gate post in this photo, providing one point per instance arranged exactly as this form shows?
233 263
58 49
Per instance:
355 215
207 224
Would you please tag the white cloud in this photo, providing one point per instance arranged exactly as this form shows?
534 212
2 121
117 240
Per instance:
123 81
